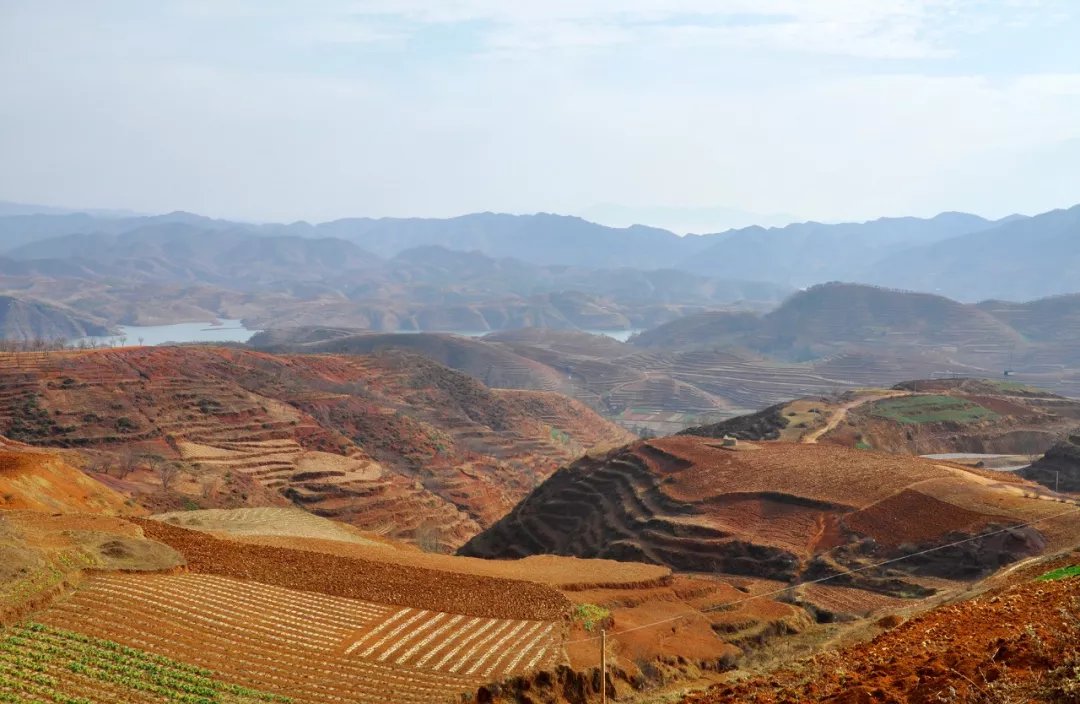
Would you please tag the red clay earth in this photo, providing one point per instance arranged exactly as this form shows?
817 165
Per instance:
1020 644
913 517
783 511
386 442
43 481
361 579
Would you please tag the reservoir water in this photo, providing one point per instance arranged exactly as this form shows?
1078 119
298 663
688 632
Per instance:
234 331
227 331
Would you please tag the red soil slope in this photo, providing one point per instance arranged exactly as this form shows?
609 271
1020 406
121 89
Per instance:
783 511
42 481
1017 645
391 442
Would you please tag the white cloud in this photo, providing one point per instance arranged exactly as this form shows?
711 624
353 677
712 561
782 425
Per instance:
829 109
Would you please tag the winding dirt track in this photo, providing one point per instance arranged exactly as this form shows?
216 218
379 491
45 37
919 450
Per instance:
840 414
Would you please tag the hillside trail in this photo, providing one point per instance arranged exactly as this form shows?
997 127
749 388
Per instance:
840 414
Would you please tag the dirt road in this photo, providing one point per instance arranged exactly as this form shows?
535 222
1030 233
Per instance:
840 414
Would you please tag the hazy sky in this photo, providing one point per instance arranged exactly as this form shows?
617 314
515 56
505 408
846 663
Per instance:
827 109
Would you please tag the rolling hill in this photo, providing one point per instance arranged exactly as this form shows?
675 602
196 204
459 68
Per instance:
721 364
832 317
931 416
391 441
27 320
782 511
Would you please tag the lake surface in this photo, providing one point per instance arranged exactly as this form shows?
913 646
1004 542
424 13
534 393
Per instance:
234 331
620 335
227 331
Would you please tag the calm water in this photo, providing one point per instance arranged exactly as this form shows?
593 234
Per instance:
234 331
620 335
228 331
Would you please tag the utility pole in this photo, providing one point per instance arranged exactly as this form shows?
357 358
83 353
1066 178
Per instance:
603 666
1057 479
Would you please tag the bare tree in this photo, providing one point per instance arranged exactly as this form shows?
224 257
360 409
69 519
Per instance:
166 470
127 462
428 536
209 485
98 464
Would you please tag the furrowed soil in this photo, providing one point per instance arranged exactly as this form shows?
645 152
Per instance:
361 579
790 512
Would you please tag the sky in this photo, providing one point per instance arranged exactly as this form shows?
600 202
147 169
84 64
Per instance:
688 113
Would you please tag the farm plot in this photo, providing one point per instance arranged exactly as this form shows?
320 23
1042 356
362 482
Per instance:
308 646
915 410
39 663
266 520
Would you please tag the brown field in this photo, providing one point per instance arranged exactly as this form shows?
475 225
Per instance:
366 580
310 647
849 601
269 521
563 573
1012 645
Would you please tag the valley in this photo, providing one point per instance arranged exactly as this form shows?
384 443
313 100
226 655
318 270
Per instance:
540 352
308 547
324 494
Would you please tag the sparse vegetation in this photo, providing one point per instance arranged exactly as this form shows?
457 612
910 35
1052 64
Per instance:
1061 573
52 664
591 616
916 410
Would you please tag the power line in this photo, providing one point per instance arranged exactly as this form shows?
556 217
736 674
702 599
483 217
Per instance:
763 595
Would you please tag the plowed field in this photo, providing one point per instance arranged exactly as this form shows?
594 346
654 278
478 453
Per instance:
368 580
311 647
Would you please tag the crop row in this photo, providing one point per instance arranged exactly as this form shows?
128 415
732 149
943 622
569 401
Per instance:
57 665
408 637
303 670
310 616
478 647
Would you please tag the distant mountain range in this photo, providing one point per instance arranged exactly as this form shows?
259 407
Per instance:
963 256
490 271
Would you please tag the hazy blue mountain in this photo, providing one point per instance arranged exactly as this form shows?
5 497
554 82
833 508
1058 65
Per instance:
1017 260
539 239
28 319
807 253
684 219
182 248
964 256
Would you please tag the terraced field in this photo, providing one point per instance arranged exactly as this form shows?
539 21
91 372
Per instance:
776 510
311 647
392 443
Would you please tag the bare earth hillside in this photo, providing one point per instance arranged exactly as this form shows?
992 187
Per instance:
781 511
391 442
935 416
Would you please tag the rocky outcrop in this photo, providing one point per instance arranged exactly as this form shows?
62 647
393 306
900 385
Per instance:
1059 468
